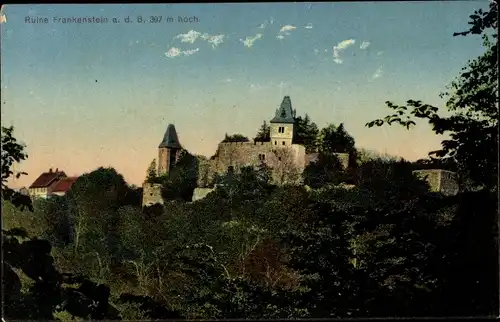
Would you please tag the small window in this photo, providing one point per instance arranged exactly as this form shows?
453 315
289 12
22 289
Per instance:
283 142
275 143
262 157
279 158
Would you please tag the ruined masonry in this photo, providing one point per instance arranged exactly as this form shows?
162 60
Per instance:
286 159
168 154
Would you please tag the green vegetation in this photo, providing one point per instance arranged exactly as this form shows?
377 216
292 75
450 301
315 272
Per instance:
235 138
385 247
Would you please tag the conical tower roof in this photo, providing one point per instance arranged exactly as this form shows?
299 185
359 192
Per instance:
170 139
285 113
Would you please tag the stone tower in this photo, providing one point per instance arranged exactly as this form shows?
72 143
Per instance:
282 124
168 151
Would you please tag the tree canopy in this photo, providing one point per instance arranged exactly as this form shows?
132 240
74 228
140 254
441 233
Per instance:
235 138
384 246
472 101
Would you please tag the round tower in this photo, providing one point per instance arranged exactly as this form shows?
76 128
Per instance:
168 151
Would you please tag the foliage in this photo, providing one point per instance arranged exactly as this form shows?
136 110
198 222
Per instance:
326 170
473 105
333 139
253 250
235 138
12 152
48 291
180 183
264 133
305 133
152 175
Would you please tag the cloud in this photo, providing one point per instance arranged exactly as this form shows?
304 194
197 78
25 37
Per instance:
309 26
255 87
378 73
248 42
191 52
228 80
284 31
215 41
174 52
316 51
341 46
364 45
190 37
287 28
380 53
263 25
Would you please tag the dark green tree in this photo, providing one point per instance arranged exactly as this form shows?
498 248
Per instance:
180 183
12 152
235 138
49 291
333 139
326 170
264 133
305 133
151 175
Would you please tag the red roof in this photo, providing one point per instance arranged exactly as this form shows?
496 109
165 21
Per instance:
47 178
64 184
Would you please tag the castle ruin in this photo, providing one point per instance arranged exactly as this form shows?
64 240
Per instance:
285 159
168 154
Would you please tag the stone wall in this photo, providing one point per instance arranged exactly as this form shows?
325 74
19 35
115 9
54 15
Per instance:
449 183
283 160
200 193
151 194
443 181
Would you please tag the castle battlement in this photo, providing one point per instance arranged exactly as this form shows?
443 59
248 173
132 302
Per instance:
286 160
235 143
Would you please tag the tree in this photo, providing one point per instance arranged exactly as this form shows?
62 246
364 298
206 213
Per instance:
180 183
152 175
332 139
94 201
235 138
264 133
473 105
48 291
326 170
12 152
305 133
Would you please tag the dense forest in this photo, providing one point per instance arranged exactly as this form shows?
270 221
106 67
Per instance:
386 246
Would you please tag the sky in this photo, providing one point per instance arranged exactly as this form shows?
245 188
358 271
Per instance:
85 95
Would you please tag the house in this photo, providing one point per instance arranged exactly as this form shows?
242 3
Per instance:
45 183
63 186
